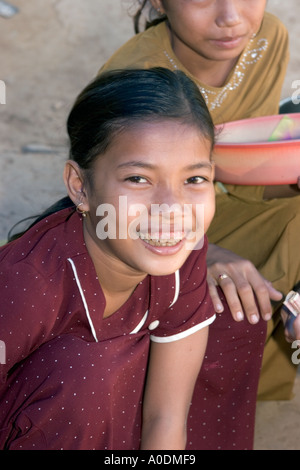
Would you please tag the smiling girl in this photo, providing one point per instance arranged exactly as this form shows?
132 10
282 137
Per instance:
105 336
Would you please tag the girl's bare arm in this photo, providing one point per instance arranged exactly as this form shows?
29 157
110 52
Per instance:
173 370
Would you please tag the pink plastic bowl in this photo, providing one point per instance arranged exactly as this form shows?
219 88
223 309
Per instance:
259 151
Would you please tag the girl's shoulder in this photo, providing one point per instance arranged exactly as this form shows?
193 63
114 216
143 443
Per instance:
45 245
145 49
272 27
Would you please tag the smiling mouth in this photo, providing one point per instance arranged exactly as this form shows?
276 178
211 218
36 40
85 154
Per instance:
162 241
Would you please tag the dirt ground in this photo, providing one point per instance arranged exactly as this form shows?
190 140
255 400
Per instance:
49 51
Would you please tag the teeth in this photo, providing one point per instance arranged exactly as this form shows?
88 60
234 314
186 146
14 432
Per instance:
159 242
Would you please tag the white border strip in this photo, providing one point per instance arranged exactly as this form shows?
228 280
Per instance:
83 299
139 326
177 287
183 334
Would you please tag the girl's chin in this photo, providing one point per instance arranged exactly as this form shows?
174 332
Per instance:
164 260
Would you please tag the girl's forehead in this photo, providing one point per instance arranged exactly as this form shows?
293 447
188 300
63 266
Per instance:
164 131
160 142
161 125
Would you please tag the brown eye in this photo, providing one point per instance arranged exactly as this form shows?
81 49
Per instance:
195 180
136 179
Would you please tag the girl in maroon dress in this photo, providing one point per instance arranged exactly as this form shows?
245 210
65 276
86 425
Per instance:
104 303
85 293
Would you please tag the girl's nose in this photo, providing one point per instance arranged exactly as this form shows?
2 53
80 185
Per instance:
167 203
229 14
167 196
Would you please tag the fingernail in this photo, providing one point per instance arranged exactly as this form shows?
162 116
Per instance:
254 319
268 316
219 308
239 316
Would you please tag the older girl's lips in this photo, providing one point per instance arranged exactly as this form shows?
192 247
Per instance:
228 42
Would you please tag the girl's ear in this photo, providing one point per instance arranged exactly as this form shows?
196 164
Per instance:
74 182
158 6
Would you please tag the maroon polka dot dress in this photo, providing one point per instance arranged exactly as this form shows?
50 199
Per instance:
72 379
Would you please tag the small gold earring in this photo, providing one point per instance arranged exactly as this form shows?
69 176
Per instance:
81 212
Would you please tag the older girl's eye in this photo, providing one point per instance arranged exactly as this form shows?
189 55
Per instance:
195 180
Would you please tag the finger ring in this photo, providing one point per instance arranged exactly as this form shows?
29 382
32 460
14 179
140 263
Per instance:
222 276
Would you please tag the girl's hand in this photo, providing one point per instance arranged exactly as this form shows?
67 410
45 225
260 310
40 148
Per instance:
247 292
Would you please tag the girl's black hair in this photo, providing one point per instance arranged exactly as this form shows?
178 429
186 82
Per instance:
119 99
153 18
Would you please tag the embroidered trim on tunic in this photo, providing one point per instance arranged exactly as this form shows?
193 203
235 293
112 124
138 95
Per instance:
251 55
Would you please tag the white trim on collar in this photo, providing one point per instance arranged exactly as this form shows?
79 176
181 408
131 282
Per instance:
83 299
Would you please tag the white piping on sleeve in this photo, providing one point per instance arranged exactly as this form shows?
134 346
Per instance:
177 287
183 334
83 299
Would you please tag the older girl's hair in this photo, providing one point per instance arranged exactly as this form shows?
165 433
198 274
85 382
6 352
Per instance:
119 99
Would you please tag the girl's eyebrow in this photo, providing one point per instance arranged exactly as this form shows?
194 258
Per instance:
199 165
137 163
141 164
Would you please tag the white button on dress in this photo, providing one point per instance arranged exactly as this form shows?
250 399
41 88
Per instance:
153 325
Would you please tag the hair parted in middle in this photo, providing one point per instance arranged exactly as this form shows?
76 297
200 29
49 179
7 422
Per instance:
119 99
